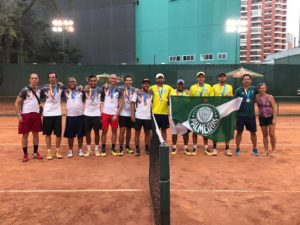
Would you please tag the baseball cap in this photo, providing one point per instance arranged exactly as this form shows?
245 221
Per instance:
159 75
200 73
146 80
180 81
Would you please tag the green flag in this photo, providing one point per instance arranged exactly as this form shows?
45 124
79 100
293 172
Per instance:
211 117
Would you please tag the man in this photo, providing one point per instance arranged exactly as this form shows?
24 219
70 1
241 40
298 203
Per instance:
246 114
141 115
125 122
113 104
28 110
74 121
160 104
92 114
200 89
52 114
179 92
221 89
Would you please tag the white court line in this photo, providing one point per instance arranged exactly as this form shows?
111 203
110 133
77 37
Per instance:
146 190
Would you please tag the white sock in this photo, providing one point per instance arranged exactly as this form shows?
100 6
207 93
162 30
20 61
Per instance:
195 146
96 147
206 146
79 150
89 147
174 146
185 147
70 151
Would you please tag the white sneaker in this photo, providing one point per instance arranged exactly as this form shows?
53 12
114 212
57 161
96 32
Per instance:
97 153
80 153
70 154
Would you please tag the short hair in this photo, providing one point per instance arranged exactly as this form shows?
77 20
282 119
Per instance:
127 76
91 76
33 73
246 75
260 85
51 73
222 74
73 79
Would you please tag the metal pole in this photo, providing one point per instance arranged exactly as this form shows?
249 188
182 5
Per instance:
164 184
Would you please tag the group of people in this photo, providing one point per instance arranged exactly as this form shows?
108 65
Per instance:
95 107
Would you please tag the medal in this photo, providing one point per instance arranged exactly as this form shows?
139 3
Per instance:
93 95
202 90
145 99
53 92
247 96
248 100
111 92
160 92
224 90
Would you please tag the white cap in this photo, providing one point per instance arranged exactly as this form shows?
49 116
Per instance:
159 75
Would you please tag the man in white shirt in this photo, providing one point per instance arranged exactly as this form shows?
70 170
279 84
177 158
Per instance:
92 114
74 121
141 115
52 114
112 107
125 122
28 110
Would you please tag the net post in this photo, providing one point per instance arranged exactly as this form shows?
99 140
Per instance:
164 183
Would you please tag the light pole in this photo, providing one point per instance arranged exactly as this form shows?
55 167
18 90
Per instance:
62 26
237 26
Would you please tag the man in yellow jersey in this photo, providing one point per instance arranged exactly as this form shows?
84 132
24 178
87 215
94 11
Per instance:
160 105
180 91
203 90
221 89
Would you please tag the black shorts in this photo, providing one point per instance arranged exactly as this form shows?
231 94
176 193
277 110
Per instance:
248 122
146 124
74 127
162 121
265 121
125 121
92 122
52 124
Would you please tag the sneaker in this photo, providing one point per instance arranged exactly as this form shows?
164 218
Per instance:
80 153
25 158
121 152
59 155
103 153
114 153
207 152
88 153
228 152
49 155
187 152
237 152
194 151
128 150
174 151
37 156
265 154
97 153
137 152
215 152
255 152
70 154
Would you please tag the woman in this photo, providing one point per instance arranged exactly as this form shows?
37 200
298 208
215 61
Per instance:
267 117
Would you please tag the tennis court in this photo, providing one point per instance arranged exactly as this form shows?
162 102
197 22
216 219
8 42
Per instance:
115 190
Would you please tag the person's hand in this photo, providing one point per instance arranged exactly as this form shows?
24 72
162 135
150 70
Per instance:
132 119
20 118
60 85
114 118
106 86
274 121
80 87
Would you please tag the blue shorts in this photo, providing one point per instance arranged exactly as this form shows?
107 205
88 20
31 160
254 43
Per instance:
246 121
74 127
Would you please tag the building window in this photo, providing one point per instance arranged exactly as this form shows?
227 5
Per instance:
175 58
206 57
222 56
188 58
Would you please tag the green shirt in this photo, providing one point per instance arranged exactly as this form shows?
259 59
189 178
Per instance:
247 106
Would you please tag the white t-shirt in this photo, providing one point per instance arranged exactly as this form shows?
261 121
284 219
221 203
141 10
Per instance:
74 102
30 103
127 99
143 105
92 102
53 99
111 100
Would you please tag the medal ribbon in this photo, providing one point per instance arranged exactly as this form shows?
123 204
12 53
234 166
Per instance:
203 89
160 91
247 94
111 92
224 90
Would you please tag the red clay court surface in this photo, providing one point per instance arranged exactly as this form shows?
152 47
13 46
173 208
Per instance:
114 190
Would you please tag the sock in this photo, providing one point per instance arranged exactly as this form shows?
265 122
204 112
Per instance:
96 147
103 147
49 150
195 146
205 146
113 146
147 146
185 147
57 149
137 147
127 145
214 145
89 147
174 146
227 147
25 151
35 148
121 147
